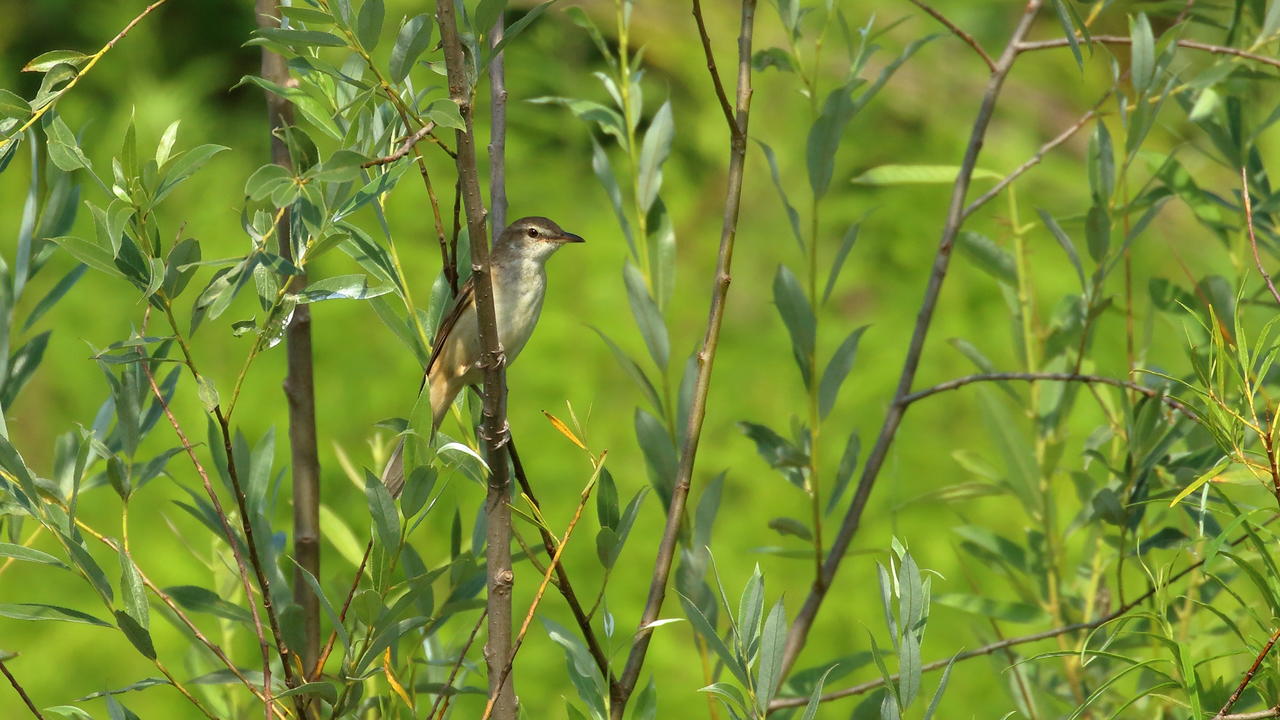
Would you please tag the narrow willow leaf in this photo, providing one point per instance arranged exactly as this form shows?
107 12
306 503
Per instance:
1067 246
942 686
919 174
603 169
844 472
798 317
772 642
266 180
792 527
825 133
19 552
386 519
792 215
632 368
837 370
728 693
198 599
1102 164
850 237
815 697
653 152
605 118
133 595
648 317
708 633
444 112
1007 611
1069 30
779 452
659 454
37 611
1097 231
184 166
516 28
334 618
340 287
607 501
989 257
13 106
46 61
750 610
369 23
300 38
1143 54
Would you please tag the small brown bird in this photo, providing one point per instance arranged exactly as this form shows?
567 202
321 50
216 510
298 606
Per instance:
518 268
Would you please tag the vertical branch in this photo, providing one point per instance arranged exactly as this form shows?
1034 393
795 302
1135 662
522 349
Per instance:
621 692
299 383
799 631
26 699
497 132
494 426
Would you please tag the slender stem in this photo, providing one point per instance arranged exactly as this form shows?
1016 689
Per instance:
955 30
1253 239
445 694
299 382
228 533
26 699
1248 675
318 668
542 588
711 67
1123 40
783 703
562 576
88 65
621 692
799 631
494 430
405 148
1053 377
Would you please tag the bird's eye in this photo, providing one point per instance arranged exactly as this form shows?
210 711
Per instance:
533 232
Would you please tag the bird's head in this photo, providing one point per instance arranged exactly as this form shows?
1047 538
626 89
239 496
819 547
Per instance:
535 237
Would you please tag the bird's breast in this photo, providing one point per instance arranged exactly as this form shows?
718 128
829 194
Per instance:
517 306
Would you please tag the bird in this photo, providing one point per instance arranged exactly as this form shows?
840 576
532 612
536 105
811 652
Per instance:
518 273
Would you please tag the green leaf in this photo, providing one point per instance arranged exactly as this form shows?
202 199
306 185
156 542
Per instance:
1067 246
659 454
1097 231
300 38
632 368
386 520
18 552
790 526
751 609
46 61
444 112
779 452
334 618
991 258
824 135
487 15
208 393
54 295
517 27
324 690
815 697
648 317
21 366
90 253
1069 30
340 287
1006 611
266 180
792 215
306 15
411 41
607 500
198 599
942 686
369 23
708 633
1143 54
64 150
798 317
1102 164
837 370
37 611
772 642
919 174
133 595
653 152
773 57
850 237
607 119
13 106
184 166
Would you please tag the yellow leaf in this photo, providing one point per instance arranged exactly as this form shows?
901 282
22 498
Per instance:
558 424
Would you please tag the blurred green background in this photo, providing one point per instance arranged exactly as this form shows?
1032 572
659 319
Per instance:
182 62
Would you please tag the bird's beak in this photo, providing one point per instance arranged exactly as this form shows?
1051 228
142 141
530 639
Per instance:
569 237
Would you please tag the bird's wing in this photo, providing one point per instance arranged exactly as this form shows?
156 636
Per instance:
466 299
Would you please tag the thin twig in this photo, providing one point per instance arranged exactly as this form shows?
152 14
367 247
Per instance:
21 693
318 668
621 692
404 149
1035 159
1051 377
299 382
494 408
542 588
711 68
870 685
232 540
800 627
93 60
443 697
1123 40
1253 240
1256 715
562 575
1248 675
955 29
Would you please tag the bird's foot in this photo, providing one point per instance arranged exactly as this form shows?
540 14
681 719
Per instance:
503 435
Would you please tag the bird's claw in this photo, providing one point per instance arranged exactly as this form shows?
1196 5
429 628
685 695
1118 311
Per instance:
503 436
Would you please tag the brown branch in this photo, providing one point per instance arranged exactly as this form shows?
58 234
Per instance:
443 697
318 668
562 576
955 29
1248 675
404 148
1122 40
232 540
870 685
1256 715
711 68
1051 377
299 382
799 631
1035 159
542 588
497 132
1253 240
21 693
621 691
494 410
